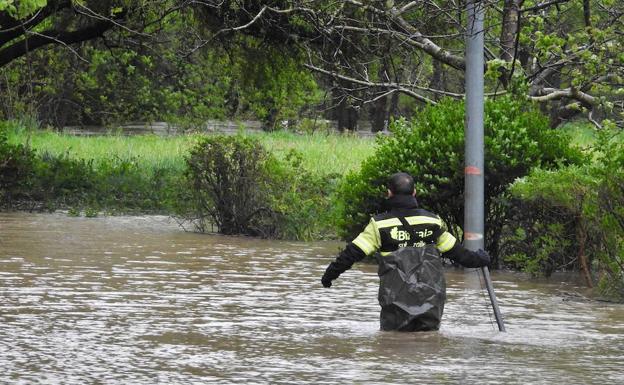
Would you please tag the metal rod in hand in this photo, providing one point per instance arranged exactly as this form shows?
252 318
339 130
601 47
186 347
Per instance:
490 289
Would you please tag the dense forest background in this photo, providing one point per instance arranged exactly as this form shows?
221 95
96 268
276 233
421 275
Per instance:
109 62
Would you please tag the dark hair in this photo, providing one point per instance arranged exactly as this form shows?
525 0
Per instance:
401 183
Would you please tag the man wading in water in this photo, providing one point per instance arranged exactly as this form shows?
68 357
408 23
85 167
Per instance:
410 241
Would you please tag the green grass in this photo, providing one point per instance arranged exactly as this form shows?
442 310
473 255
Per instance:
150 150
321 153
585 136
583 133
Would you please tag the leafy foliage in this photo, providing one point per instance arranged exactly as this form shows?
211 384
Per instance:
579 210
226 57
22 8
235 184
547 205
17 164
228 180
106 83
302 200
274 86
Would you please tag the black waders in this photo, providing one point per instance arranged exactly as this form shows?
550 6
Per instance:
412 289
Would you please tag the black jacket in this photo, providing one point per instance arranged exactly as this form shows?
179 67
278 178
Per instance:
387 232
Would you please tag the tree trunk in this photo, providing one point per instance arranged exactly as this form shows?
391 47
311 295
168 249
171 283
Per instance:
511 19
438 80
508 37
587 14
394 106
346 115
379 111
581 236
379 114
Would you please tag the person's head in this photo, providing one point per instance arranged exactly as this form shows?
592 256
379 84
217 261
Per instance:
401 183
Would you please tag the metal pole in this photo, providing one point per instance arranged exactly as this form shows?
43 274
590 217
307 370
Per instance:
473 172
474 183
490 290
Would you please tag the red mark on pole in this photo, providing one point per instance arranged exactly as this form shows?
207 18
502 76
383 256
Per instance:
473 236
472 170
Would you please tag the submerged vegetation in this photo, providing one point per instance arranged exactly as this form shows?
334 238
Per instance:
573 218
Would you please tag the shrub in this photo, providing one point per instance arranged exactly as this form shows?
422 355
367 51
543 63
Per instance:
431 148
17 164
124 184
228 181
580 211
301 199
62 181
609 213
235 184
547 221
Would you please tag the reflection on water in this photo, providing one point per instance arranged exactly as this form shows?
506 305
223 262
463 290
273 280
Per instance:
137 301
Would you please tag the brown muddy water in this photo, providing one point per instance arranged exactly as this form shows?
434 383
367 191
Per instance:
134 300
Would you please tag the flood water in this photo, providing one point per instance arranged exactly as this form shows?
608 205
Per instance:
135 300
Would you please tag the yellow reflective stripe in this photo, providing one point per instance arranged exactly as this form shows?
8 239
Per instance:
414 220
368 240
446 242
419 220
388 223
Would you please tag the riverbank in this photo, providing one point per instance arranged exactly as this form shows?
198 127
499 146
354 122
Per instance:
119 174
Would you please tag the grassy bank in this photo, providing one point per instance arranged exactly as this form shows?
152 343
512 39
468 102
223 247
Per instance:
582 133
116 174
321 153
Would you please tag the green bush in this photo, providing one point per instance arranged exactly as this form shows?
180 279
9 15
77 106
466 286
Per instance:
17 165
579 211
431 148
236 185
547 220
61 181
609 213
124 185
301 200
229 185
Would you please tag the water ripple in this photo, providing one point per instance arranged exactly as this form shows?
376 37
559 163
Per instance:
136 301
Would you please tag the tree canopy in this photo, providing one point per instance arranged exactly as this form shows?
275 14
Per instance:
564 54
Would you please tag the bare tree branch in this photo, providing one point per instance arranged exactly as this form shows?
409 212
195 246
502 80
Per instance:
541 6
407 7
366 83
548 94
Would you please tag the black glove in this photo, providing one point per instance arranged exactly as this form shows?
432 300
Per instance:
468 258
332 272
343 262
482 258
